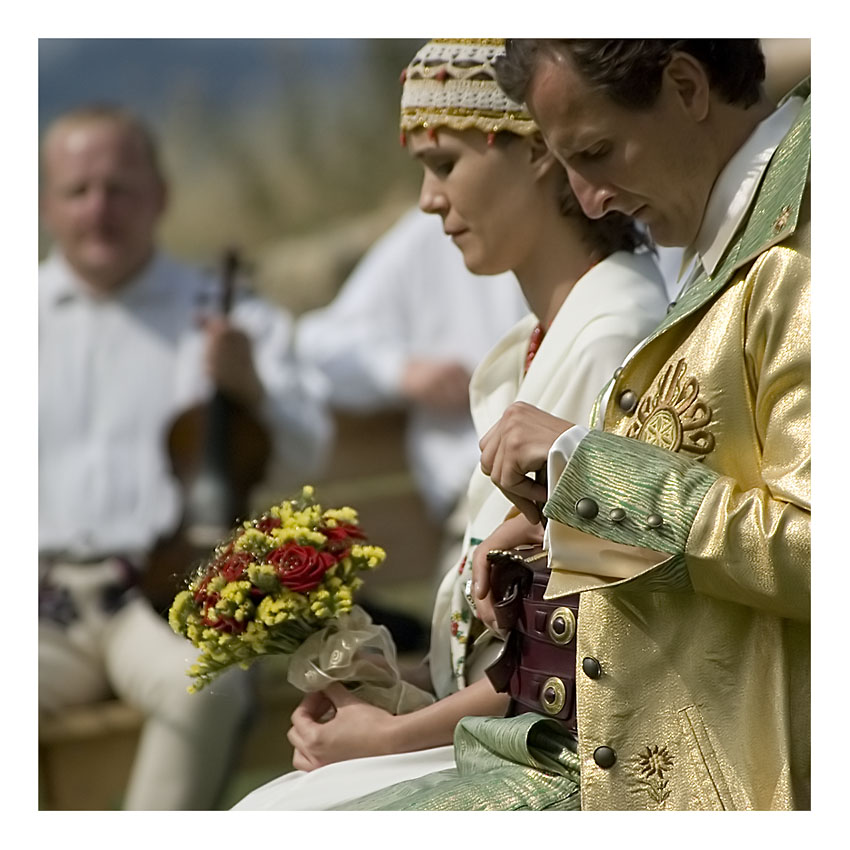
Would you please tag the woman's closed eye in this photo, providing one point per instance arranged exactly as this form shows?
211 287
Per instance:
440 167
595 152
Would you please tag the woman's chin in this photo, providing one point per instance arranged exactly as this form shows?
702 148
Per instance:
480 265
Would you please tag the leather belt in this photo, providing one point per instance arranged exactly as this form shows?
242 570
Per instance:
538 664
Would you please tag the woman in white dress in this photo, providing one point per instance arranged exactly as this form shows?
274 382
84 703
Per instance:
594 292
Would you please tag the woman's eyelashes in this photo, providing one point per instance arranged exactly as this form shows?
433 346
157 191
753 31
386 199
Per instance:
440 167
595 152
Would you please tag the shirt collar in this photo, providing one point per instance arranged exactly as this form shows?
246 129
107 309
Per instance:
737 184
66 285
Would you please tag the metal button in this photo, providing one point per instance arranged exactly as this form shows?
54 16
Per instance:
627 401
561 626
671 306
591 667
587 508
617 515
553 695
617 372
654 521
604 757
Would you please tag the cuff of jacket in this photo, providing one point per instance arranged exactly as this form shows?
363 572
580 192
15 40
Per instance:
643 496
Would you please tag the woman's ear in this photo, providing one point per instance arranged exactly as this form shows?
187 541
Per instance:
541 158
687 78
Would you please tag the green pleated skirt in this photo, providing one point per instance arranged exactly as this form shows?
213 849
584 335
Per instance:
503 764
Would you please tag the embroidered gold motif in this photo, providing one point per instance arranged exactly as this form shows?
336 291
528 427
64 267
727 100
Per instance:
673 417
649 768
782 218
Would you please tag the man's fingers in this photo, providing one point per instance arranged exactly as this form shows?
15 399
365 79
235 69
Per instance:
530 510
488 445
526 488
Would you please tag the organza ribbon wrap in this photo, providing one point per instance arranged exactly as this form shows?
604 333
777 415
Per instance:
354 649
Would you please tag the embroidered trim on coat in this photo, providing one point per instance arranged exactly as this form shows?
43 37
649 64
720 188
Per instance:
673 417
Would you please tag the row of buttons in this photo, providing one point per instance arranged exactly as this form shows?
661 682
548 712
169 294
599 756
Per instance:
587 508
604 757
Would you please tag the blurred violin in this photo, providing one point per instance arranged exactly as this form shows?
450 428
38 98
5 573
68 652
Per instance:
219 452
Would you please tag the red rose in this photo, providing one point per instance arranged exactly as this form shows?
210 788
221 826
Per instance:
232 568
300 568
267 523
340 535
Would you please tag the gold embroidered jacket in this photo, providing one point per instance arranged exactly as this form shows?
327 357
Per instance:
693 681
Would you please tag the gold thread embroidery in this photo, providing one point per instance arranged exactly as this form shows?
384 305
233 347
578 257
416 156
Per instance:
673 417
649 768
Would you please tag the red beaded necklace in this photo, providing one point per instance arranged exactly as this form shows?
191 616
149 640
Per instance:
534 344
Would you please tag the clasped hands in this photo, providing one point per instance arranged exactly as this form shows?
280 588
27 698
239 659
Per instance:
334 725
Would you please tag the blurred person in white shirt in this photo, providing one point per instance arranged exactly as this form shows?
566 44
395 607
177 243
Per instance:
407 329
126 343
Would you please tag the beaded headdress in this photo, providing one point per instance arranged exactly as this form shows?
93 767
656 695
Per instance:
451 82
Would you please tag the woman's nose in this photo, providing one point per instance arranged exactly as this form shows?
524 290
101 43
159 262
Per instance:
432 198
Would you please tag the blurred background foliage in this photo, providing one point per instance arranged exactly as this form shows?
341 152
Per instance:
287 149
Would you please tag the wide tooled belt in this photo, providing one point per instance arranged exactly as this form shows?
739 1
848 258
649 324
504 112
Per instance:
537 666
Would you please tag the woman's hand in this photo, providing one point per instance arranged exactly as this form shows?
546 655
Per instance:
353 728
334 725
514 532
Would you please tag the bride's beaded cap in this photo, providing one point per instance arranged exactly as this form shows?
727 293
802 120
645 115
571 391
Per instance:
451 82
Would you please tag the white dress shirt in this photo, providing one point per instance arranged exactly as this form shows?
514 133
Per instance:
411 296
114 373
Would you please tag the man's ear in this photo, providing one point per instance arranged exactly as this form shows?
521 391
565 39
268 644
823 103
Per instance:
687 78
542 160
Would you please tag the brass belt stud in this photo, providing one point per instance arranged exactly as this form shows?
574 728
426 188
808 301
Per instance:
553 695
561 625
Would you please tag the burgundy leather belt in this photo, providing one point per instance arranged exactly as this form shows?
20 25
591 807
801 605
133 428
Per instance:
538 664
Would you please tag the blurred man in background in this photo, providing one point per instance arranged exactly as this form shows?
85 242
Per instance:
127 341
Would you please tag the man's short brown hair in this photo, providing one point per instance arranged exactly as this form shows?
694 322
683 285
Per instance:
629 70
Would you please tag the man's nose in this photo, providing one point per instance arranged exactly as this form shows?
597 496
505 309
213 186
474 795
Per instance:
595 197
432 199
97 201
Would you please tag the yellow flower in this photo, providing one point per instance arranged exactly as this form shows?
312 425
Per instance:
334 515
264 577
373 555
181 609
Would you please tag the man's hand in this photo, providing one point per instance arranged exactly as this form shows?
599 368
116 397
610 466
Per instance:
230 363
513 532
441 384
519 444
334 725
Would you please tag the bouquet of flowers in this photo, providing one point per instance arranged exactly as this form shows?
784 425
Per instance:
276 581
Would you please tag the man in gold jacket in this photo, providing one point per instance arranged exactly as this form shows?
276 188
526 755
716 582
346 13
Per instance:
683 516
